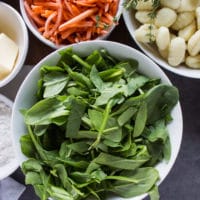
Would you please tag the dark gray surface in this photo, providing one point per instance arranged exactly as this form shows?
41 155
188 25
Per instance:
183 182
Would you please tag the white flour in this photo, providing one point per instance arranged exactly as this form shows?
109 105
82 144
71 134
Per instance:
6 148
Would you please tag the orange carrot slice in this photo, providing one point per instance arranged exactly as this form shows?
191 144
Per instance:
78 18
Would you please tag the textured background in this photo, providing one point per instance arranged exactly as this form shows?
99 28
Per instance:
183 182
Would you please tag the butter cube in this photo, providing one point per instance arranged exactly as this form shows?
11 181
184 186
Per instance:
8 55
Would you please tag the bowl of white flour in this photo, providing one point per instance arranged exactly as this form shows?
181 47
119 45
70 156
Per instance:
8 159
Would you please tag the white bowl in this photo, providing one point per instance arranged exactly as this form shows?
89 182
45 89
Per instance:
12 24
132 24
33 28
11 166
26 95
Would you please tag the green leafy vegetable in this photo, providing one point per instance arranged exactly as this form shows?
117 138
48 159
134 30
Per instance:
54 83
98 126
144 181
43 112
160 100
75 115
140 120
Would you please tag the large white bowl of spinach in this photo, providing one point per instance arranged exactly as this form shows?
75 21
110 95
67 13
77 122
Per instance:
97 120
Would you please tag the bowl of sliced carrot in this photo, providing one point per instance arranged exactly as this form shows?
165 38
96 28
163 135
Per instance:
61 22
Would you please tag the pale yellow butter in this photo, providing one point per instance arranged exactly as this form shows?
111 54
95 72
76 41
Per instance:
8 55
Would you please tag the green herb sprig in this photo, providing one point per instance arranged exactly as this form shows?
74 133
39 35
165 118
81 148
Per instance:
133 3
152 14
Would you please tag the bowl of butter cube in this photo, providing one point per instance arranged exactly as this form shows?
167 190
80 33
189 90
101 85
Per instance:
168 32
13 43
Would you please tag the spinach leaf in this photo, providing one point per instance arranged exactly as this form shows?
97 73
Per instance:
96 79
54 83
158 132
44 111
134 84
103 124
77 92
79 78
144 179
140 120
48 69
40 129
126 115
119 162
96 118
129 102
106 95
82 164
27 146
76 113
32 165
59 193
113 74
160 101
33 178
95 58
66 56
167 149
154 193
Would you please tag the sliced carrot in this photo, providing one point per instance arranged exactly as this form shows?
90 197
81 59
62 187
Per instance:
78 18
94 18
47 24
106 20
69 21
103 32
88 1
36 9
41 29
46 13
33 15
71 8
71 39
47 4
59 18
67 16
107 5
68 6
84 24
114 7
109 17
76 10
88 34
80 3
67 33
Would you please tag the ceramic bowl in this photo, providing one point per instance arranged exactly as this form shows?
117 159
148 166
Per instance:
13 164
34 29
26 95
132 24
12 24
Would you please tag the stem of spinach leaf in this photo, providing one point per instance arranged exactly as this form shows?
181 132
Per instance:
122 178
103 125
36 144
82 62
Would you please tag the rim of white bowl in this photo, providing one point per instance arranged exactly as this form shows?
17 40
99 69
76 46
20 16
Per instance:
20 63
101 43
9 168
150 52
32 27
